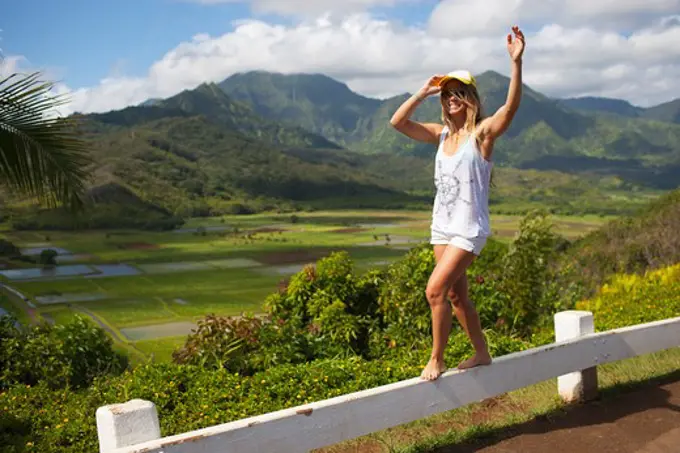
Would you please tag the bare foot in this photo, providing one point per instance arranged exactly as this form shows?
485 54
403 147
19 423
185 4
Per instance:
474 361
433 369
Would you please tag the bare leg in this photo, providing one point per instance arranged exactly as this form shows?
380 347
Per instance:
450 267
467 315
469 318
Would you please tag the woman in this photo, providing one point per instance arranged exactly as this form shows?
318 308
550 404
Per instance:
460 215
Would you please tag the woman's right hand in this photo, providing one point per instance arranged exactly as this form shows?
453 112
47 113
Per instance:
423 132
431 87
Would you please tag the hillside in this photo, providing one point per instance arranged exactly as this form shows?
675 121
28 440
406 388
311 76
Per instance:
314 102
109 205
535 110
632 244
513 190
167 164
603 105
668 111
192 166
211 102
264 90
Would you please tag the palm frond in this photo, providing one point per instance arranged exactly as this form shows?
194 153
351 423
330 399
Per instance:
40 155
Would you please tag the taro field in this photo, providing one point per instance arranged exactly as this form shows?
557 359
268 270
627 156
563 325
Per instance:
147 290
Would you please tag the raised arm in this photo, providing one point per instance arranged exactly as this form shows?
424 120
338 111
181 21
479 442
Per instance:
424 132
494 126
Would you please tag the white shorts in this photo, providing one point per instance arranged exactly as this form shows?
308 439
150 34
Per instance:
474 245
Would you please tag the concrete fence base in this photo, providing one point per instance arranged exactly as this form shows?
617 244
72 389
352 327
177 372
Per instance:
123 425
579 385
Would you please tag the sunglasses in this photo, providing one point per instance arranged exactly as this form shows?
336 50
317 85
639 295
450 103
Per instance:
460 94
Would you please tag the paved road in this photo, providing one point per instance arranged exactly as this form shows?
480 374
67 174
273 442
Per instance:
642 421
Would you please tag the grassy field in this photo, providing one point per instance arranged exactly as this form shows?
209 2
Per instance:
224 266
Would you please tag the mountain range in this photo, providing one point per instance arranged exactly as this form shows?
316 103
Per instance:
587 134
262 140
595 135
668 111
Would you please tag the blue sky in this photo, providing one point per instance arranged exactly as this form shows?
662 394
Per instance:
86 40
83 41
111 54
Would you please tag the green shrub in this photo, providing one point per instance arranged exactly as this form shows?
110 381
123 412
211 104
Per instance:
635 299
332 303
287 342
528 279
221 342
48 257
491 301
291 301
326 310
490 262
69 355
245 345
41 419
402 302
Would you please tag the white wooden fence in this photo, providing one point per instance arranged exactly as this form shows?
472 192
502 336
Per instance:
133 427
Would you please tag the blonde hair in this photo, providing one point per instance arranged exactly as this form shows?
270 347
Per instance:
474 113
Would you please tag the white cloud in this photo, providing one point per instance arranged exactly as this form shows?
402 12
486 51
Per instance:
464 17
619 9
642 68
381 58
459 17
375 57
308 7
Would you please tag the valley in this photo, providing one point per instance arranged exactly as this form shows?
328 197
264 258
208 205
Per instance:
206 201
149 289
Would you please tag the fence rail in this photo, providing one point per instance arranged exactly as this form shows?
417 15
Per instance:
132 427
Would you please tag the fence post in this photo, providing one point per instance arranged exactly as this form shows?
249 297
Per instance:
126 424
579 385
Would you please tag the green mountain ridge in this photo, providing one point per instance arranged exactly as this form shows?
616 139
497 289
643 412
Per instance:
312 101
667 112
213 103
603 105
546 133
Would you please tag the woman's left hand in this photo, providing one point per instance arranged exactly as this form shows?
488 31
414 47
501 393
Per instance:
516 46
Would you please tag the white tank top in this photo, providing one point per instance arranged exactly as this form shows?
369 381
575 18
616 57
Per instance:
461 204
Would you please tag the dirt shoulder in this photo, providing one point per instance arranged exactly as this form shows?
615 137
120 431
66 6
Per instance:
646 420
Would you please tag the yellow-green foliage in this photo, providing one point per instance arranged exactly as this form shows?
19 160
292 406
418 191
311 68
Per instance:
634 299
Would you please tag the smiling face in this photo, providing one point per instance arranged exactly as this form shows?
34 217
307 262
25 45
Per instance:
462 102
454 97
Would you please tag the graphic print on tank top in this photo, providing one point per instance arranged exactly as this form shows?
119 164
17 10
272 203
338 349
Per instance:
449 185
